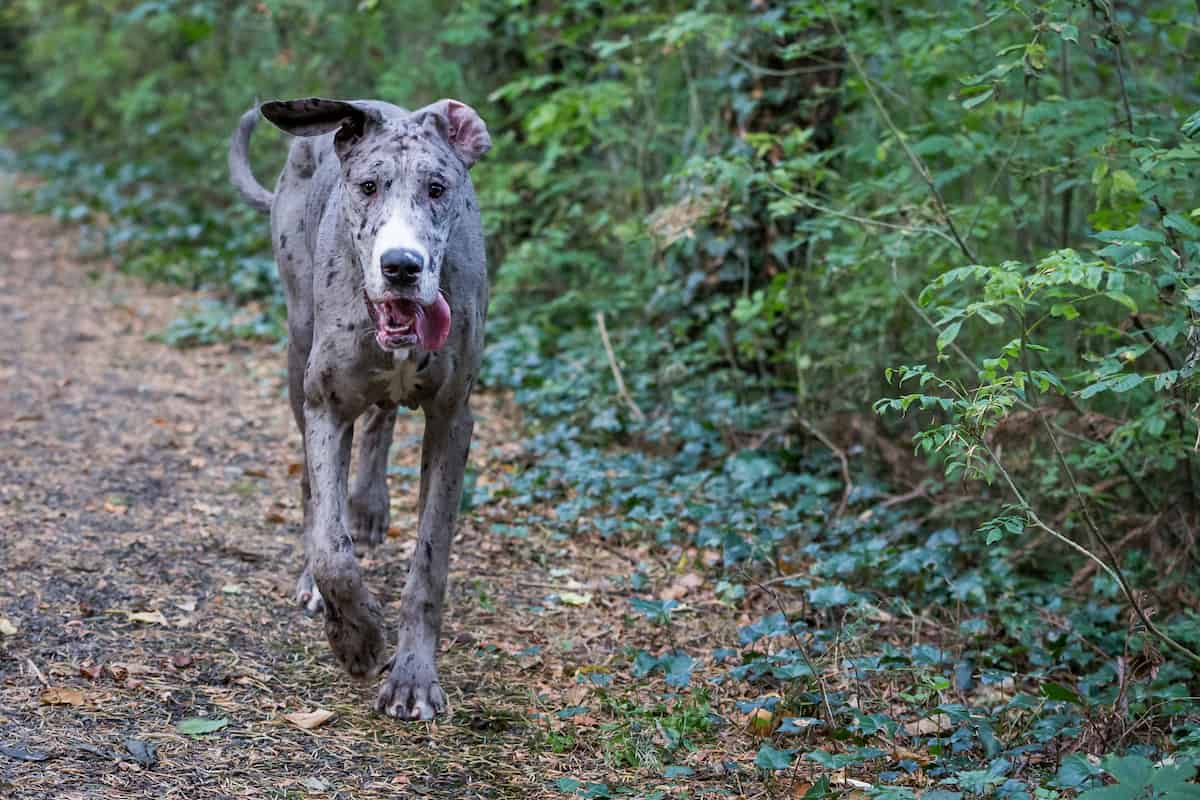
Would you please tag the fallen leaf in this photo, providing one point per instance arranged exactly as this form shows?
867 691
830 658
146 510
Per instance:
144 753
96 751
231 588
938 723
7 627
308 720
113 508
574 599
181 660
21 754
275 518
89 669
198 726
395 532
62 696
149 617
681 587
294 469
760 722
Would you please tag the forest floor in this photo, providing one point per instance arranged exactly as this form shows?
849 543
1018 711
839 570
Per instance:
150 517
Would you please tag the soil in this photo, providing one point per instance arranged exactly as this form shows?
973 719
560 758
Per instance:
149 524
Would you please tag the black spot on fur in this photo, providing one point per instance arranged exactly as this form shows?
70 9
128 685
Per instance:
330 278
283 240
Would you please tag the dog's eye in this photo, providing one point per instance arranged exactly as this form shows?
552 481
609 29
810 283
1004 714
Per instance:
436 190
367 187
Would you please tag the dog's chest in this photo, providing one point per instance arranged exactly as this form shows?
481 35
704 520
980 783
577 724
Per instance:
400 380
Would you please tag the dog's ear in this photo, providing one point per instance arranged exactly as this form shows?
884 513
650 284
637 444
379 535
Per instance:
314 116
461 125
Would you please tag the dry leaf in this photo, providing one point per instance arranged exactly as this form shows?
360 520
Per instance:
113 508
574 599
308 720
294 469
760 722
275 518
938 723
7 627
149 617
62 696
681 587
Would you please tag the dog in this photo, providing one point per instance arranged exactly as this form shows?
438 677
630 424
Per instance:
378 237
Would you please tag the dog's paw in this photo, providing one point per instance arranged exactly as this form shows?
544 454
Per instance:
411 690
355 634
308 596
353 618
370 516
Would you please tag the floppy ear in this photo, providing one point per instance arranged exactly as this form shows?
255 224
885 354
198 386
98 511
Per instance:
462 127
314 116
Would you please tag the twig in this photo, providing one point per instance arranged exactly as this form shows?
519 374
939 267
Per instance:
841 457
865 221
616 371
803 653
970 362
913 158
1113 571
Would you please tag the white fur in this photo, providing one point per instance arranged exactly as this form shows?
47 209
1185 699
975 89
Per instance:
397 232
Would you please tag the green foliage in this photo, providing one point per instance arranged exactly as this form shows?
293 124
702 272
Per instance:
999 196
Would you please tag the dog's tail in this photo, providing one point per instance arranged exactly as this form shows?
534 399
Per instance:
239 164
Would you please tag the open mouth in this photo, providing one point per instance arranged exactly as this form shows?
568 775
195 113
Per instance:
403 323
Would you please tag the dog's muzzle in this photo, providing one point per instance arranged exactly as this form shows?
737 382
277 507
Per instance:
401 323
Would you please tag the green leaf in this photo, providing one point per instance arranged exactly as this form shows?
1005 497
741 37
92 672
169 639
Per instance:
1056 691
948 335
979 99
1126 382
770 758
1123 299
198 726
1136 233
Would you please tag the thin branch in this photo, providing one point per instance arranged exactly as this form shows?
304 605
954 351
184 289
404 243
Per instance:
913 158
841 457
616 371
833 212
1112 571
1071 401
803 653
786 73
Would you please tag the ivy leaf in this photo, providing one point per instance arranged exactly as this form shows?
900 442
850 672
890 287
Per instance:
1056 691
770 758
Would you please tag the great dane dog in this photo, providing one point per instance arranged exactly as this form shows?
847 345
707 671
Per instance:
377 235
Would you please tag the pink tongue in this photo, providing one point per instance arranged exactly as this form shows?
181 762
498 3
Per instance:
433 326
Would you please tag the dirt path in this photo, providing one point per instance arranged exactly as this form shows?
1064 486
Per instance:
148 539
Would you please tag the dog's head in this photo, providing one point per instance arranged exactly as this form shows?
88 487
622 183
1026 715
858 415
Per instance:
403 175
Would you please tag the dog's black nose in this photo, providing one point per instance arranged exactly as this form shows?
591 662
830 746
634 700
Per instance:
401 265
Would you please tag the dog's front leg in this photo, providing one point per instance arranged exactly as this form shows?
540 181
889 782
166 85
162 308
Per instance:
352 616
411 690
